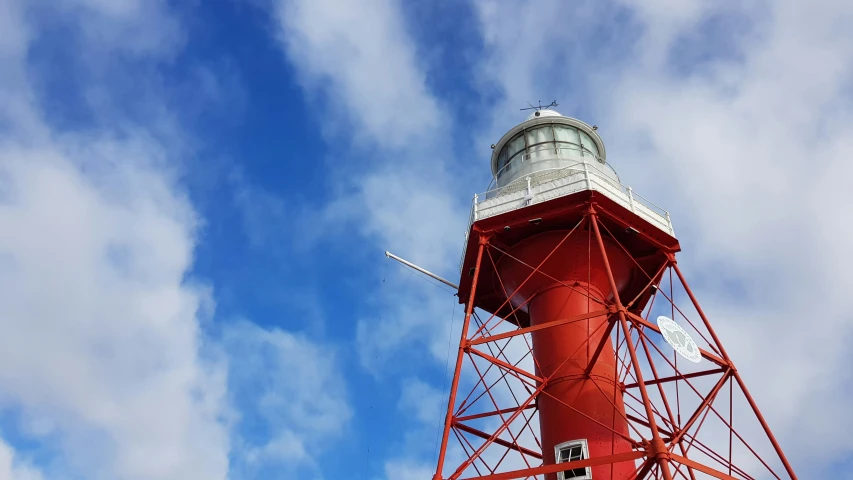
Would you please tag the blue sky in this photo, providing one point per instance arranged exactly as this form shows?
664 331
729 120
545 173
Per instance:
196 197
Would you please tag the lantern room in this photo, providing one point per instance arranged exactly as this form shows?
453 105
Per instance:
547 141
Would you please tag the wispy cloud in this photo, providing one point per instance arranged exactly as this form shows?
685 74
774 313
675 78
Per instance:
105 349
13 468
397 192
360 58
130 27
264 214
407 470
291 394
390 181
102 332
102 343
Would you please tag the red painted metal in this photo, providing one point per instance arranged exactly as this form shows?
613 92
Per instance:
590 366
737 376
567 263
658 449
469 309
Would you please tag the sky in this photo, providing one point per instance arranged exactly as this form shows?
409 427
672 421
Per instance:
195 198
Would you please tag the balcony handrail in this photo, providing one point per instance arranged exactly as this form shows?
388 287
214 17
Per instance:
578 169
590 177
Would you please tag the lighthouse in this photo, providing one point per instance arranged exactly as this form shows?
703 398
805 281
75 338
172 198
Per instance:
562 255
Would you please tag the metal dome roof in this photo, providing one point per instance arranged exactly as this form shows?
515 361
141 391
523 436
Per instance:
543 113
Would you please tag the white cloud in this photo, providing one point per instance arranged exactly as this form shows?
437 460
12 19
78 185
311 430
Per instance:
359 54
421 407
407 470
286 447
102 332
16 100
412 313
102 349
397 191
409 215
264 214
13 468
422 401
290 385
135 27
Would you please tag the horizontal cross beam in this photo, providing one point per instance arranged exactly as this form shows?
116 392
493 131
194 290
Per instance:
505 365
560 467
554 323
702 468
677 377
512 446
491 414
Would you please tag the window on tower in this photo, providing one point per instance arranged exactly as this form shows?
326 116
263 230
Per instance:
540 135
588 144
570 452
567 136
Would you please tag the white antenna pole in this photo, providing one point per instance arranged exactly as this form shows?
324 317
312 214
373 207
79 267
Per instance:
424 271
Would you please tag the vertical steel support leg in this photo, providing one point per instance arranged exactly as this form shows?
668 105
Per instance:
463 340
734 371
658 448
665 402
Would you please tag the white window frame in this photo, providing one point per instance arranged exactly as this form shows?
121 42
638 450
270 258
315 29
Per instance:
573 443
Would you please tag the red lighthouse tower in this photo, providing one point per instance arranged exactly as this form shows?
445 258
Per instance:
584 353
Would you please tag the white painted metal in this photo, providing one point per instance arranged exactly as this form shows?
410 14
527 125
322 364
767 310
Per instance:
422 270
679 339
542 175
556 183
543 113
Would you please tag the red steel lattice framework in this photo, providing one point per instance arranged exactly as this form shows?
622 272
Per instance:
569 288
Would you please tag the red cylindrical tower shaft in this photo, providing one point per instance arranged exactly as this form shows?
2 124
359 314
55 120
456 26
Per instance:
562 354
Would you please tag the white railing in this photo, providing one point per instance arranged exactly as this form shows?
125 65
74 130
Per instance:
555 183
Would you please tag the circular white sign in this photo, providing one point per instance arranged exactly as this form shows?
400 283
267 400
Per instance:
679 339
